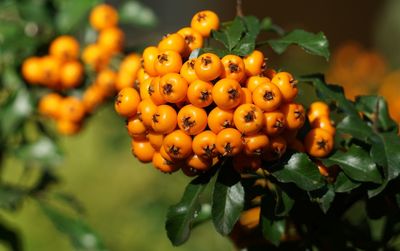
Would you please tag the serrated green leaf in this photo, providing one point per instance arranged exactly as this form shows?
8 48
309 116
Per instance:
385 151
357 164
136 13
228 200
371 106
181 216
80 234
44 152
315 44
344 184
301 171
11 197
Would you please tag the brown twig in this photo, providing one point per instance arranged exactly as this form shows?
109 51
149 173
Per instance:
239 10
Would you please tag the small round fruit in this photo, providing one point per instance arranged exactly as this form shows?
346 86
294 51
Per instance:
277 147
287 86
154 92
256 144
103 16
192 120
275 123
31 70
156 139
106 81
92 97
199 93
317 109
255 81
143 150
163 165
198 163
173 42
136 128
219 119
131 63
325 123
229 142
164 119
173 87
178 145
267 97
68 127
94 56
187 71
193 38
247 96
208 67
205 21
233 67
111 39
51 69
168 62
72 109
294 114
49 105
318 142
204 144
71 74
66 48
149 59
248 119
254 63
146 109
127 102
227 93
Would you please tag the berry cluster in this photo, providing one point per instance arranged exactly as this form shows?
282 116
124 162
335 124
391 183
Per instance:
189 112
63 71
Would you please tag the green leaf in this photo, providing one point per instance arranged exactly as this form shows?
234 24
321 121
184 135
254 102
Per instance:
354 126
71 14
10 237
181 216
316 44
11 197
301 171
44 152
80 234
385 151
331 93
16 109
357 164
273 227
377 190
136 13
219 52
253 26
324 197
344 184
372 105
221 37
228 200
267 25
247 44
284 203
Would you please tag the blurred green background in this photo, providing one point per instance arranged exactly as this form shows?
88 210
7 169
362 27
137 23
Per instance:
126 201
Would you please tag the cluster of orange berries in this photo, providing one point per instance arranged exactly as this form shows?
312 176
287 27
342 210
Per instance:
64 69
188 112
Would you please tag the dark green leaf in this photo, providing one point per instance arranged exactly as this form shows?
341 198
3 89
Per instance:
357 164
71 14
203 215
11 197
219 52
17 108
268 25
324 197
234 32
252 26
273 227
301 171
377 190
344 184
316 44
228 200
386 152
371 106
181 216
71 201
44 152
220 36
283 202
245 46
331 93
354 126
136 13
10 237
80 234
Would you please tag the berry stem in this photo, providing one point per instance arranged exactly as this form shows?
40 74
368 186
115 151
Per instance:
239 10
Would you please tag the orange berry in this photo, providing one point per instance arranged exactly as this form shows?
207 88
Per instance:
103 16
